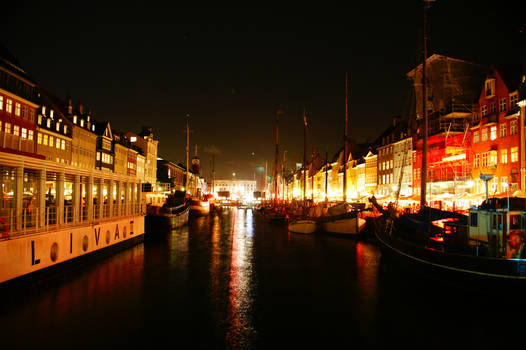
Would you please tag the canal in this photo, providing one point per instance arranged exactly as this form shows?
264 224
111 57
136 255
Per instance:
236 281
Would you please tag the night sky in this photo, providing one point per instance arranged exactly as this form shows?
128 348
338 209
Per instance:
141 64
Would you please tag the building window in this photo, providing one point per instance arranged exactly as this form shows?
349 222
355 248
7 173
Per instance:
490 87
513 127
502 105
503 130
514 154
514 98
492 107
16 130
24 133
484 110
30 134
31 115
74 119
9 105
1 102
48 123
17 109
51 139
39 138
24 112
492 158
82 122
484 159
65 129
504 156
484 134
7 128
476 137
493 133
57 143
63 144
477 160
45 138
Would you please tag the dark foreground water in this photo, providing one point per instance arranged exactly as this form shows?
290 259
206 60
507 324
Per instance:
236 281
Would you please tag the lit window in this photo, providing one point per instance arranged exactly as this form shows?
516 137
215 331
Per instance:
30 134
492 158
0 126
51 113
490 87
48 123
503 130
24 133
57 126
63 144
39 120
7 128
493 132
477 160
98 155
39 138
16 130
51 139
504 156
476 137
1 102
82 122
514 154
57 143
484 134
485 159
45 140
74 119
9 106
65 129
17 109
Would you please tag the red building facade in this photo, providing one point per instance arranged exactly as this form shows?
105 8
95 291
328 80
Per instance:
495 145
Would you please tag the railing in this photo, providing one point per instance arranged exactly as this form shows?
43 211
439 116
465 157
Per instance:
32 220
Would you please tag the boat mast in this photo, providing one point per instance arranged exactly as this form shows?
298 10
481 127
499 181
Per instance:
276 161
423 184
304 155
187 154
345 135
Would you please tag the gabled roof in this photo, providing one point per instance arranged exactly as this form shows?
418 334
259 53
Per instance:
102 127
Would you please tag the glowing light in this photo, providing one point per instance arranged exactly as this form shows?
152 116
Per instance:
454 157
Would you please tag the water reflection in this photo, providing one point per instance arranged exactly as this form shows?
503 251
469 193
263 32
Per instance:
241 296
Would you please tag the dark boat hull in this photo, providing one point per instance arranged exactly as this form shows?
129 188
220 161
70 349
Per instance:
459 267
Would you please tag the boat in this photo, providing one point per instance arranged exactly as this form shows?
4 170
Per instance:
347 223
305 226
199 207
173 214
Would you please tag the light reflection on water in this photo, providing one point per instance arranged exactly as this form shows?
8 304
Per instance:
240 287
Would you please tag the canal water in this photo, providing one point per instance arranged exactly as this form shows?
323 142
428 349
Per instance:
237 281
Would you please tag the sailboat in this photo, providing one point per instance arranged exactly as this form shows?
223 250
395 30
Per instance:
478 248
340 219
304 225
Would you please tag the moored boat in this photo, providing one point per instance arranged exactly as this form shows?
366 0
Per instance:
347 224
305 226
199 207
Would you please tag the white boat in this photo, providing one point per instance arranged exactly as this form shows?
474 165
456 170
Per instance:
344 225
199 207
304 226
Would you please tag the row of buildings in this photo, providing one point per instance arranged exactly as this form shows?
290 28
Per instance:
47 143
475 126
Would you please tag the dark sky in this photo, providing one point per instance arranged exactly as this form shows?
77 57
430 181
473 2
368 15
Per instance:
139 64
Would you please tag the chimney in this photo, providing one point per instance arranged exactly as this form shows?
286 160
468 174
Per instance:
81 109
70 107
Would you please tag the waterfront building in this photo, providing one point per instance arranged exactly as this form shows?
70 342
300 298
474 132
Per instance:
83 137
18 107
54 131
388 178
169 172
371 173
453 89
148 145
403 165
238 189
496 131
105 154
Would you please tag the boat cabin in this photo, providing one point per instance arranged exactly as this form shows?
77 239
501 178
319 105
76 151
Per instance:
498 228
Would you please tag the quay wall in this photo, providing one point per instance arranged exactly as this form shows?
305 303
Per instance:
29 253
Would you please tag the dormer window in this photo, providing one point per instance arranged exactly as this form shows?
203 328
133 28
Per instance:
65 129
82 122
44 110
39 119
74 119
51 114
490 88
93 127
57 126
48 123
